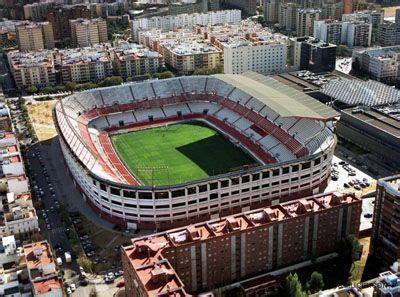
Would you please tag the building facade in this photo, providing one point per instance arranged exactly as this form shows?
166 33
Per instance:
132 60
85 32
83 65
386 221
34 36
208 255
32 68
305 21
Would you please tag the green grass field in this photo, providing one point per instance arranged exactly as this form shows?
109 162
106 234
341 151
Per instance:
178 153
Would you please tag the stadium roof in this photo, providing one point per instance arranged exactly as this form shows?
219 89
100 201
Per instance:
284 100
358 92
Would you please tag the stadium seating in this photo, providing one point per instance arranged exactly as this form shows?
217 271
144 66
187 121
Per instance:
239 96
226 114
142 91
193 84
167 87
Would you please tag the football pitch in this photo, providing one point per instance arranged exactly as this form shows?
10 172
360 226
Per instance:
178 153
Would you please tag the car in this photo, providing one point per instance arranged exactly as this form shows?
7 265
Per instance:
48 227
68 291
357 187
73 287
351 183
368 215
346 185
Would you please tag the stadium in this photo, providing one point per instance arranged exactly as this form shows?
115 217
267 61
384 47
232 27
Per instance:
166 153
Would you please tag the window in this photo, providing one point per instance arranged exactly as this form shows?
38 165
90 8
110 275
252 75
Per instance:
224 183
103 187
265 174
213 196
246 179
145 195
129 194
285 170
295 168
178 193
115 191
191 190
213 186
306 165
161 195
235 181
275 172
256 176
202 188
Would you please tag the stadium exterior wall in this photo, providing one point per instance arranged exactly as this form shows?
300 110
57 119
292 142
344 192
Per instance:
173 206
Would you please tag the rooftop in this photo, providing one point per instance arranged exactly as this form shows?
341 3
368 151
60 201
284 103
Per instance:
46 286
285 100
358 92
42 58
38 254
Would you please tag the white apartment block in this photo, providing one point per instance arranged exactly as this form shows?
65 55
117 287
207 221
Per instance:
19 216
172 22
371 17
352 34
249 47
382 63
262 58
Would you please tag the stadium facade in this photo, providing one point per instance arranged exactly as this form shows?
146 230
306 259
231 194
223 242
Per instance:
287 132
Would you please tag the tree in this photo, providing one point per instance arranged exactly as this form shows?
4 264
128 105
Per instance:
350 248
71 86
341 50
85 263
208 71
48 90
291 286
316 282
164 75
31 89
111 81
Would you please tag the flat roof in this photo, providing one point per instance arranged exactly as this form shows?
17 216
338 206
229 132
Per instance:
379 120
285 100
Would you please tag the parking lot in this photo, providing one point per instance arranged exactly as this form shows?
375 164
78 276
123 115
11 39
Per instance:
346 177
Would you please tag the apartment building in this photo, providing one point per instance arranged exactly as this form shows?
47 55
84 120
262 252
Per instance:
59 18
382 63
287 16
33 36
42 269
373 17
13 279
188 6
349 33
305 21
248 47
132 60
208 255
271 11
32 68
248 6
183 50
308 53
184 21
37 11
87 32
386 221
18 216
83 65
